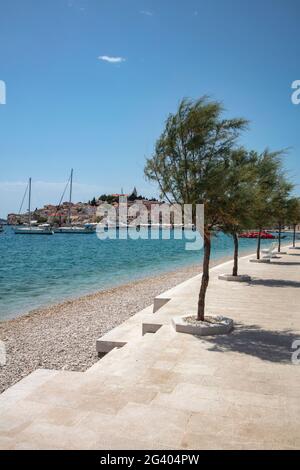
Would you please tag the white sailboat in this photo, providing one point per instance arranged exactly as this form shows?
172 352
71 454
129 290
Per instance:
32 228
87 228
69 228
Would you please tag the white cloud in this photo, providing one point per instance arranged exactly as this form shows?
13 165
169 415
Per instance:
146 13
111 59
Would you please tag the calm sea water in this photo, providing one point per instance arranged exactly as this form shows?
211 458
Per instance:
42 270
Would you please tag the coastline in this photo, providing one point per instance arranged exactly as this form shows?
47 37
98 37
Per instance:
63 336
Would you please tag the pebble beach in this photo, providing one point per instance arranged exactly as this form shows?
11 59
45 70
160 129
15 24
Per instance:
63 336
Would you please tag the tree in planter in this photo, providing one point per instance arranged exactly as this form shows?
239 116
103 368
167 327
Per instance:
267 171
188 165
280 204
293 215
238 199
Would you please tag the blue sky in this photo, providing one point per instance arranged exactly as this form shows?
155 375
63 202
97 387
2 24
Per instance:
66 107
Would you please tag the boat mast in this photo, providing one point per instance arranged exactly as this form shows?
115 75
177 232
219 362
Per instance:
70 198
29 201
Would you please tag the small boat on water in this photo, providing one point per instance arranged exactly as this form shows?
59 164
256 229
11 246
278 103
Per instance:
87 228
263 235
32 228
1 229
69 228
43 229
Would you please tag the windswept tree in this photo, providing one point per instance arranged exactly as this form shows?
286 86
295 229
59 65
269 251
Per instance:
293 215
268 169
188 165
238 196
280 203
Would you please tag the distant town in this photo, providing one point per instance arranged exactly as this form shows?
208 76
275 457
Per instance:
81 212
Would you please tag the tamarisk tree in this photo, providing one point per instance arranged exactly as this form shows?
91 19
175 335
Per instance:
293 215
268 169
188 165
238 197
280 204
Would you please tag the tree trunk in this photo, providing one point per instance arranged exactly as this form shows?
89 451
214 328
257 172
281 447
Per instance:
279 238
294 236
258 244
205 277
236 254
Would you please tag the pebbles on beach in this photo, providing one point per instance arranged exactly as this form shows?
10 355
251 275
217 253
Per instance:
63 336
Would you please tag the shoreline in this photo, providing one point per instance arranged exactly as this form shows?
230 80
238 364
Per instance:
60 303
63 336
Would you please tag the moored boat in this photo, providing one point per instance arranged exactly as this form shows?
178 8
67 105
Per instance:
43 229
87 228
263 235
32 228
69 228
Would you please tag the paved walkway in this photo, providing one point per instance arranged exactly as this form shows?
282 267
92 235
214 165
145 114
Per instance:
169 390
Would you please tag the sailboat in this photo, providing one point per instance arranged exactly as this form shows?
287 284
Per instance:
31 228
69 228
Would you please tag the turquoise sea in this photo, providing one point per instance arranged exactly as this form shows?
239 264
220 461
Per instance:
42 270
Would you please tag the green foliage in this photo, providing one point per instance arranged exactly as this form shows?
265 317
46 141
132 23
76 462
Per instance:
108 198
93 202
134 195
41 220
280 202
56 220
237 203
293 211
197 161
268 169
188 162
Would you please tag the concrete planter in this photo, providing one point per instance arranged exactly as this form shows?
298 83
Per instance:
239 278
222 326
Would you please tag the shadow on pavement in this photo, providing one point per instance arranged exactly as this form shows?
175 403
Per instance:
271 346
